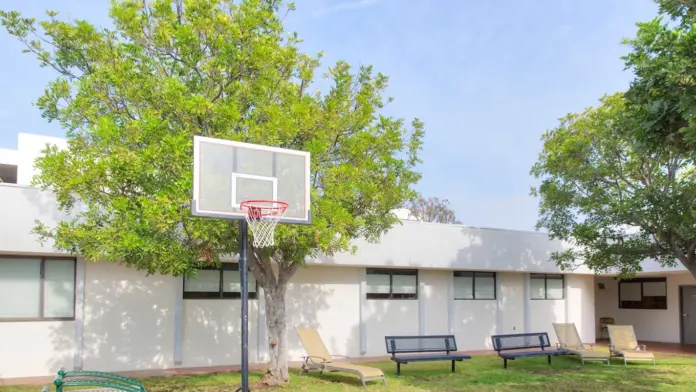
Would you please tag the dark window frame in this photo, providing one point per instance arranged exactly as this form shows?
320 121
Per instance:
42 289
391 272
641 305
220 294
473 275
546 278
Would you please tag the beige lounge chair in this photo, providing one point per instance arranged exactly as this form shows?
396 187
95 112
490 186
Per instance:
623 344
569 339
319 358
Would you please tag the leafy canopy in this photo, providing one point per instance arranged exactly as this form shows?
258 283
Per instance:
132 98
663 92
615 200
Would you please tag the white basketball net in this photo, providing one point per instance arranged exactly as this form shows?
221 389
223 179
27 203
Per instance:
262 217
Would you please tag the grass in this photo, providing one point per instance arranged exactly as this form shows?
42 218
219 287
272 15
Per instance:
482 373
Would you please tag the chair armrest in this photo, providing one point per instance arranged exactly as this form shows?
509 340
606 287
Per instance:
312 357
340 356
612 347
588 344
641 347
560 345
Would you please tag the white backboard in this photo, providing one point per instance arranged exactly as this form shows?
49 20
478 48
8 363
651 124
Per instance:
226 173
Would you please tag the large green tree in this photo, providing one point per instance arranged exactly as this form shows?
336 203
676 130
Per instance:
617 181
663 92
131 98
614 198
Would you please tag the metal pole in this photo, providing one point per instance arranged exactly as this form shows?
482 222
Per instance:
244 279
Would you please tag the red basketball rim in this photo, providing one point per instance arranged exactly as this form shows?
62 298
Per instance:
259 208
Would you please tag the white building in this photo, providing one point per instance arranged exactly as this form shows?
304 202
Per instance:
421 278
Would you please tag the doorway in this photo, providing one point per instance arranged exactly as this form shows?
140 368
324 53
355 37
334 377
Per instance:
687 299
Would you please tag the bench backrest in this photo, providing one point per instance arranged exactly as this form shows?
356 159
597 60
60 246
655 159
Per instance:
420 344
521 341
102 380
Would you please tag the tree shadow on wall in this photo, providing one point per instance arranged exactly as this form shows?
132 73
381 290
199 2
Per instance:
506 250
128 321
312 302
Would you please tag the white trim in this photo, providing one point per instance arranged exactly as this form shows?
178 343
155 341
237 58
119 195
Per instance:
79 313
235 176
526 309
499 305
250 146
179 322
566 291
196 174
450 304
421 304
362 278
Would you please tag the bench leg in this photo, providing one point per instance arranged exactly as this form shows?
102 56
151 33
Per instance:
549 359
504 363
452 366
398 368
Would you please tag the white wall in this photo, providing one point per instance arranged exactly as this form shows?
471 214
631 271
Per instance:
9 157
128 319
212 332
435 295
23 205
326 298
580 308
30 349
29 147
511 302
656 325
389 317
475 322
444 246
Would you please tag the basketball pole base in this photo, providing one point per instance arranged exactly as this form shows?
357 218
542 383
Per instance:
244 280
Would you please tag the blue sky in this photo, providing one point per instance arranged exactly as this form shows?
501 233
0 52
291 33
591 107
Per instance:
486 77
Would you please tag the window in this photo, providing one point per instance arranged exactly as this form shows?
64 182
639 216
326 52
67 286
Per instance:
643 293
8 174
218 283
474 285
546 286
392 284
38 288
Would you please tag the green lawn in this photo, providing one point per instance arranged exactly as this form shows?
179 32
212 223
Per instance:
482 373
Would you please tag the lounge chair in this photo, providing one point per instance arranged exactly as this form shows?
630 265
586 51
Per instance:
569 339
623 344
319 358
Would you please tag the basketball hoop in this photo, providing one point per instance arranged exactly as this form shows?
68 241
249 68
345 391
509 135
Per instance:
262 217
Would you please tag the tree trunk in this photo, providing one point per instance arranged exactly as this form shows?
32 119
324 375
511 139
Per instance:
277 371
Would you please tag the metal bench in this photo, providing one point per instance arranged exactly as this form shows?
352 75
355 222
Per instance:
439 348
103 382
524 345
